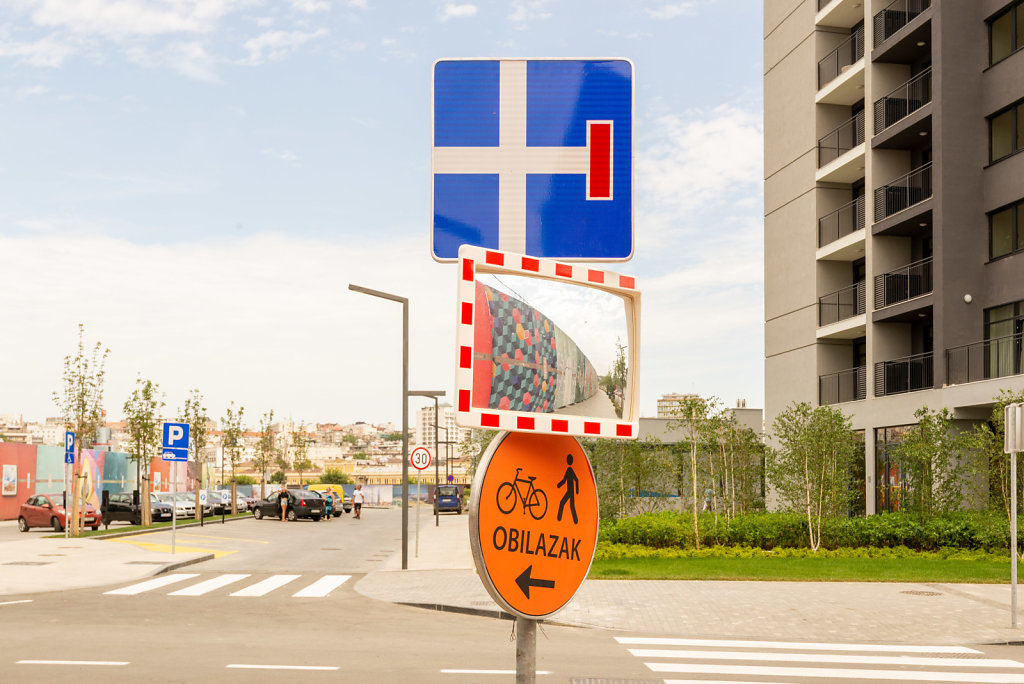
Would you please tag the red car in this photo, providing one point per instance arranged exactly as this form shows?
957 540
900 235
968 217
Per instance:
47 510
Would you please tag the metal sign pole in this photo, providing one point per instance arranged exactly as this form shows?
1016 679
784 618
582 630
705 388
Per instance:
419 497
1013 539
174 505
66 508
526 651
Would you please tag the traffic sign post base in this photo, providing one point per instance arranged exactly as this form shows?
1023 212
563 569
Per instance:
526 651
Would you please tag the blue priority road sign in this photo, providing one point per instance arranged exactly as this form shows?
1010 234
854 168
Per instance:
175 442
533 157
69 447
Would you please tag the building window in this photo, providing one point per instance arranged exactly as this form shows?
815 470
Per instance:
1006 132
1004 330
890 475
1006 32
1006 230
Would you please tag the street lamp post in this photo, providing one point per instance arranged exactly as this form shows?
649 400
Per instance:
433 394
404 301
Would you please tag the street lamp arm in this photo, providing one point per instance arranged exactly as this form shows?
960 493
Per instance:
378 293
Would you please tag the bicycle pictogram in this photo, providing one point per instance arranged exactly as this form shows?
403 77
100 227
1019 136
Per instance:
510 493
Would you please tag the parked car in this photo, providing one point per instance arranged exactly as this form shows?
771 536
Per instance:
241 501
47 510
448 498
123 507
183 506
301 504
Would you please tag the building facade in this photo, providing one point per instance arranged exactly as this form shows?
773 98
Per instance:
894 212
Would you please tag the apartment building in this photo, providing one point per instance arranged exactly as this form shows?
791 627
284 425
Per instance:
894 212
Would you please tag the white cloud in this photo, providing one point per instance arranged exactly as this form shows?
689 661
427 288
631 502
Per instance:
32 91
450 10
118 18
527 10
48 51
357 4
276 45
310 6
282 155
671 10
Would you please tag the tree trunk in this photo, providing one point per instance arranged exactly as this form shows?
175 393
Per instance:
693 476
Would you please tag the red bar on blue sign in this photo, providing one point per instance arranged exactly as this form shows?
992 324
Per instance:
599 176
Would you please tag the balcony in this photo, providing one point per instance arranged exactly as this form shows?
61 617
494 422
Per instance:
839 13
847 219
996 358
909 374
846 385
913 280
903 101
904 192
846 54
841 304
842 139
894 17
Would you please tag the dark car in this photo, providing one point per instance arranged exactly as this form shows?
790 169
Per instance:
47 510
301 504
123 507
448 498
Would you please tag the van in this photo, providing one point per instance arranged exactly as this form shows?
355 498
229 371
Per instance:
337 489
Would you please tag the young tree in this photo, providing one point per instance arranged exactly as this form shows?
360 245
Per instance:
335 476
990 465
232 446
81 403
142 416
265 449
474 445
928 458
811 468
194 413
693 415
300 444
278 477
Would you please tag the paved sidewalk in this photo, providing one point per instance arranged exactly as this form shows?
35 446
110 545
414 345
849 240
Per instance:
443 576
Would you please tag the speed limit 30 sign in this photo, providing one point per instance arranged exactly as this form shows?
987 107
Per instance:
420 458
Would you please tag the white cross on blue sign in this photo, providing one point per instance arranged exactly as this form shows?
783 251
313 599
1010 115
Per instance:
534 157
175 442
69 447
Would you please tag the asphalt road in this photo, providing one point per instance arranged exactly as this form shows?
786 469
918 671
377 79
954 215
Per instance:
282 595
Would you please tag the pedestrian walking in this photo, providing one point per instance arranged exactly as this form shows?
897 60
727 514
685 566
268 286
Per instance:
328 505
708 495
357 501
282 498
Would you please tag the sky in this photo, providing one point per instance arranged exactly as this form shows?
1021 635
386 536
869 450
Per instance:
199 181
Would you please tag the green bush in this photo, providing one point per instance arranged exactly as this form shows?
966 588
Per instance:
965 530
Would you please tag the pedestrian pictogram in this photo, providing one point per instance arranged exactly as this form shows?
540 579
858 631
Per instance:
532 558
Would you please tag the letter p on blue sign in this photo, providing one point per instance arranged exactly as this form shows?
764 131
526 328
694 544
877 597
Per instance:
175 442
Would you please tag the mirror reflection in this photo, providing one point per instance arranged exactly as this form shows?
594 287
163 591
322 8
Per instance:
549 347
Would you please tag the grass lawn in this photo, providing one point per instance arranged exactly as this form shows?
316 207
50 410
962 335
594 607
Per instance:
807 569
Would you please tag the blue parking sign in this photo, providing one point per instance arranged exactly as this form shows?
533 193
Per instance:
69 447
533 157
175 442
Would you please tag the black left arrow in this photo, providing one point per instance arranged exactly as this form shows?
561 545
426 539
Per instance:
525 582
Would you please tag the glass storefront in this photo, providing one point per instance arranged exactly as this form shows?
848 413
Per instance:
890 479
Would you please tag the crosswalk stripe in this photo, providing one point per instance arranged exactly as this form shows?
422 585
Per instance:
266 586
322 587
835 673
152 584
208 585
823 658
792 645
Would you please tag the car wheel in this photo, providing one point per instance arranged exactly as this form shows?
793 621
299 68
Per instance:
95 528
458 511
22 524
55 523
291 515
257 513
316 518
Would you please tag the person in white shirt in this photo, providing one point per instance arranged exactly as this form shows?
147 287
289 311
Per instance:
357 501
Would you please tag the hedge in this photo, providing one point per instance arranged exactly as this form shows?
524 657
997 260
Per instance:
983 531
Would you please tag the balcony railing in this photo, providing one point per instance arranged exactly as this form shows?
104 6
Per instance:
904 192
995 358
896 16
904 101
844 138
847 53
842 304
846 385
909 374
913 280
841 222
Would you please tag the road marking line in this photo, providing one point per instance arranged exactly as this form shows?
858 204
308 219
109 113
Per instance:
166 548
208 585
152 584
72 662
204 536
322 587
494 672
244 666
834 673
794 645
266 586
11 603
822 658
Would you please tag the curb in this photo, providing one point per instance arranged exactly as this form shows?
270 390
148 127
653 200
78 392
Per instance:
131 533
185 563
496 613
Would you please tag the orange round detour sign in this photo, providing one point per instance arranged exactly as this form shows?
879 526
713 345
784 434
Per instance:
533 521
